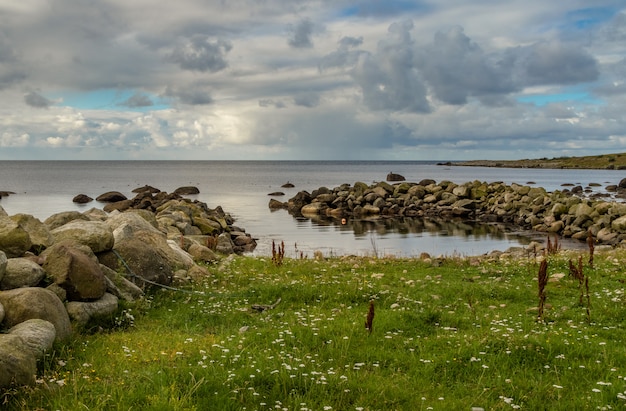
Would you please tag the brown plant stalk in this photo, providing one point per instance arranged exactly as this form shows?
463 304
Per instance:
542 281
369 321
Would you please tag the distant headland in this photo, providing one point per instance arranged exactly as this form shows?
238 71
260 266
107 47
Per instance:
599 162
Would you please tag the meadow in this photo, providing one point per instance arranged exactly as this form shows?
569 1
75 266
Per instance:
447 334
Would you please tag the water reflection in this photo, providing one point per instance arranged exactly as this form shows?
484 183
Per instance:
412 227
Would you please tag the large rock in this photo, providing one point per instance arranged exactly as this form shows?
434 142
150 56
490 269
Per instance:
81 313
23 304
95 234
76 271
144 255
225 244
119 286
3 264
20 349
111 197
125 225
59 219
619 224
21 272
14 239
38 232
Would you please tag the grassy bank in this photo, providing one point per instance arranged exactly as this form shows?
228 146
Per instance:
447 335
615 161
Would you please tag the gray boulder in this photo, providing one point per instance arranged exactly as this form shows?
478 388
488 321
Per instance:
225 244
21 272
81 313
38 336
59 219
95 234
17 364
119 286
202 253
23 304
111 197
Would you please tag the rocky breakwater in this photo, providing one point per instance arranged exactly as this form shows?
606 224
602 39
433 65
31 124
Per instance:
524 207
60 276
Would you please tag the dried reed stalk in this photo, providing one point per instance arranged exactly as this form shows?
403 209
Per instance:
542 281
278 253
369 321
590 242
553 248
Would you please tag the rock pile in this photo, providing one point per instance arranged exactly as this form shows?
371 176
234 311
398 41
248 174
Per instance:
58 275
563 213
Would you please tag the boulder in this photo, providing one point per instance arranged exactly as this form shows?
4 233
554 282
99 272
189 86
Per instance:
202 253
619 224
119 286
111 197
23 304
14 239
225 244
81 313
59 219
97 235
17 364
395 177
21 272
144 255
76 271
187 190
82 199
3 265
276 205
38 232
37 335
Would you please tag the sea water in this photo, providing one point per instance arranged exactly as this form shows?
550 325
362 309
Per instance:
242 188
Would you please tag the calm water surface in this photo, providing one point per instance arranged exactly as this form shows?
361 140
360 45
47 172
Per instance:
241 187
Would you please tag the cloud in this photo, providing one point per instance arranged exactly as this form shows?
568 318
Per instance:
194 95
300 34
36 100
199 53
307 100
556 63
137 100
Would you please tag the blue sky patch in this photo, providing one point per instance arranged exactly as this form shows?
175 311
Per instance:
110 99
583 19
540 100
378 8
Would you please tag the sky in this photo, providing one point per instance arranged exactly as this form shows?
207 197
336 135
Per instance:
311 80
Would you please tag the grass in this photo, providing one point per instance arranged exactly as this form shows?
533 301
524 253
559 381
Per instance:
454 335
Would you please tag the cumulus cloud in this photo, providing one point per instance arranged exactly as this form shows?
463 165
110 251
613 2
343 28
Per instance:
137 100
36 100
199 53
194 95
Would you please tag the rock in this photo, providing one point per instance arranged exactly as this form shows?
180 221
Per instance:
188 190
81 313
17 364
21 272
120 206
145 254
59 219
622 183
37 335
3 265
202 253
276 194
287 185
39 233
23 304
225 244
119 286
111 197
82 199
276 205
14 239
96 235
146 189
78 273
395 177
1 313
619 224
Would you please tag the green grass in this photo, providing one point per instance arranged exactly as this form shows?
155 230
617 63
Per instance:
448 336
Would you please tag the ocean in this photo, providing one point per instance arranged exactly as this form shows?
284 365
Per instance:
241 187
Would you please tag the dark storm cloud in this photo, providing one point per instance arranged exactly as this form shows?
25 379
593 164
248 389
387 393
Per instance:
199 53
137 100
456 68
300 34
195 95
34 99
307 100
557 63
389 79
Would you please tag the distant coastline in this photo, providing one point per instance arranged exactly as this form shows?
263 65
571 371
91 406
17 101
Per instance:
598 162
